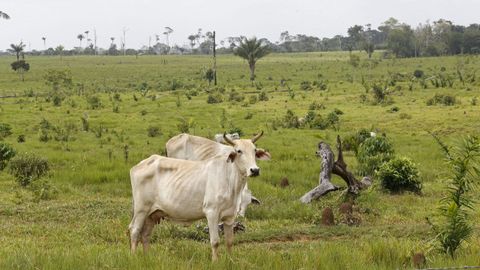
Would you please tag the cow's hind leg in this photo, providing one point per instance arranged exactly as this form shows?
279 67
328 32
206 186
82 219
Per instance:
150 223
228 225
213 218
136 227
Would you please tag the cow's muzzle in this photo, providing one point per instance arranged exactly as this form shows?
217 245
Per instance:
254 171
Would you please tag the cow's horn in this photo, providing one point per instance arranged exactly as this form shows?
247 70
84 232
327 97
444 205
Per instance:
256 137
227 139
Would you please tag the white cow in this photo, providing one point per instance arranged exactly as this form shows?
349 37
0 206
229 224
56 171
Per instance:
232 136
185 191
190 147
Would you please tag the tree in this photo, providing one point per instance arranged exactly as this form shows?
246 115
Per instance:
400 41
80 37
59 50
20 66
471 39
167 32
17 49
44 43
192 40
251 50
356 34
4 15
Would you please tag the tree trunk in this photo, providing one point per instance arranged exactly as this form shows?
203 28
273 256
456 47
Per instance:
252 72
339 168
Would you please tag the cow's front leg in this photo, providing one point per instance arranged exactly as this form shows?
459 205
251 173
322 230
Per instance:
228 231
212 218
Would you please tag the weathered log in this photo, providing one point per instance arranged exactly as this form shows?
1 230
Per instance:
339 168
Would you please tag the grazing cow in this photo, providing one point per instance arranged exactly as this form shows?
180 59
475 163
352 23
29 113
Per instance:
190 147
232 136
185 191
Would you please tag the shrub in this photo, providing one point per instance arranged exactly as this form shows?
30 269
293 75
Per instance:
27 168
6 153
263 96
94 102
290 120
446 100
393 109
380 94
5 130
305 85
214 98
418 73
252 99
43 190
399 174
153 131
332 120
235 96
321 84
236 130
353 141
372 153
21 138
316 106
458 203
184 126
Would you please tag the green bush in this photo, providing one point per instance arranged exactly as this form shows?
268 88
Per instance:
235 96
27 168
153 131
252 99
290 120
372 153
263 96
418 73
43 190
94 102
399 174
5 130
214 98
353 141
446 100
6 153
305 85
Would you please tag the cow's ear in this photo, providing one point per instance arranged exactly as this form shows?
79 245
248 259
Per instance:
262 154
232 157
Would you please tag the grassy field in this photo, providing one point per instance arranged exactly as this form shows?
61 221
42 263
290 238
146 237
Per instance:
84 226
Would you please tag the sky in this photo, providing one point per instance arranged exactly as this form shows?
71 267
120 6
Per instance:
60 21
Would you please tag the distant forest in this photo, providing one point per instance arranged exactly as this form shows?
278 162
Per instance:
395 39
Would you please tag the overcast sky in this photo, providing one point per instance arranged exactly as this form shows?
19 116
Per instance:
60 21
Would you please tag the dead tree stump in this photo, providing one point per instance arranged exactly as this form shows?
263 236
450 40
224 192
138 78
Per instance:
339 167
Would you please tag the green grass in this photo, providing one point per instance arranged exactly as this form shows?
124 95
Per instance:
84 227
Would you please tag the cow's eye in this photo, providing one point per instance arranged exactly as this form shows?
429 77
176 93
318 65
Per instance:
239 151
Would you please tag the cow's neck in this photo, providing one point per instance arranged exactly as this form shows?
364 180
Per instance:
239 178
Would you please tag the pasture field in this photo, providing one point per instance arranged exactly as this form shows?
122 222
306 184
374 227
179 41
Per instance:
84 225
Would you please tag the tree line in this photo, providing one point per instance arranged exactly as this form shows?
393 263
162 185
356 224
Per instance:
441 37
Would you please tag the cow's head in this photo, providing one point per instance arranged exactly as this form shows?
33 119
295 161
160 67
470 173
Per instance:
246 153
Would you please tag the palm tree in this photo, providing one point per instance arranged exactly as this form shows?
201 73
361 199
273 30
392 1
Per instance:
112 39
17 49
80 37
167 32
4 15
44 43
251 50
